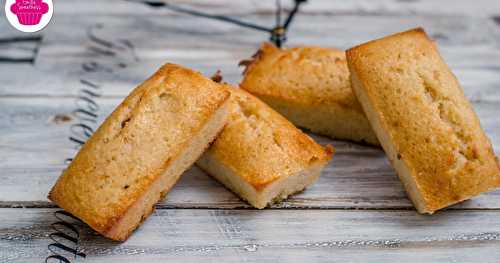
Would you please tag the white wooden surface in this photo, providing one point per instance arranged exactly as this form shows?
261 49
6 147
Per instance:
199 235
357 211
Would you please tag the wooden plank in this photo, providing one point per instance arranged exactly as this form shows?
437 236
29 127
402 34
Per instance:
243 7
469 45
358 177
195 235
322 224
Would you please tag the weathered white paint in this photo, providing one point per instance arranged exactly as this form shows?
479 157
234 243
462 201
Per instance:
195 235
242 7
469 43
357 211
358 176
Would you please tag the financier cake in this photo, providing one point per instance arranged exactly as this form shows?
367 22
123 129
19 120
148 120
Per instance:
260 155
141 149
424 122
310 86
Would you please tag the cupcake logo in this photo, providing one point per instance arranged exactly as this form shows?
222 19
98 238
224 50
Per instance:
29 15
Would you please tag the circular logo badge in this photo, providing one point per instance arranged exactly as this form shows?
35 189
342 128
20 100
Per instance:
29 15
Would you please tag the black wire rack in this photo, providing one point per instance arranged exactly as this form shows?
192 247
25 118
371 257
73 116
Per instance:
278 32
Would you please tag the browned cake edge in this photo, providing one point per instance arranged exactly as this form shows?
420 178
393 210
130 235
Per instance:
121 226
263 195
260 195
329 120
144 206
404 173
335 120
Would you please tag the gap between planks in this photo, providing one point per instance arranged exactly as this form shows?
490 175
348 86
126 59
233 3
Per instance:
244 206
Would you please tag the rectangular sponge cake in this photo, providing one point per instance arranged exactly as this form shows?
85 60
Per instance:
424 122
141 149
260 155
310 86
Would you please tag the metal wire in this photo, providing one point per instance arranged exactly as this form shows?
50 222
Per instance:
278 32
184 10
293 12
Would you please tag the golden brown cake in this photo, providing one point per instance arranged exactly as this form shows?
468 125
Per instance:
424 122
141 149
310 86
260 155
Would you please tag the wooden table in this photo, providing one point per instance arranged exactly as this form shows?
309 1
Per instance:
357 211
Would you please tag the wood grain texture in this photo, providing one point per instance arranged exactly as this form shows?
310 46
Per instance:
478 8
358 177
269 236
357 211
469 42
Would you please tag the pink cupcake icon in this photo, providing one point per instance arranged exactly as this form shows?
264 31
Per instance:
29 12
